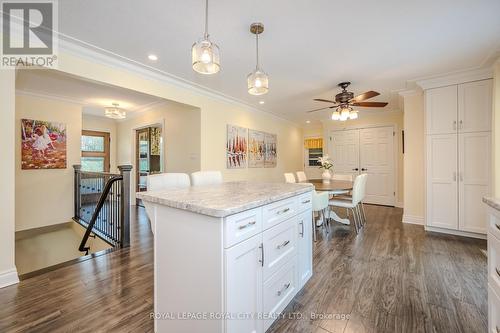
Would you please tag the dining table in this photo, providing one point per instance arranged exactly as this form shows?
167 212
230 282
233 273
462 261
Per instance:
333 187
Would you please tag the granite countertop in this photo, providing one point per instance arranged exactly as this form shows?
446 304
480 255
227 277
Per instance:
224 199
492 202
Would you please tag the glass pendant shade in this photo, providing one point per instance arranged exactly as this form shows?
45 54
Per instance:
353 115
205 56
335 115
258 82
344 114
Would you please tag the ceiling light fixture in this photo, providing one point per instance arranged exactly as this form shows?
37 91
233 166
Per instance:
261 102
344 112
152 57
205 53
115 112
258 81
308 121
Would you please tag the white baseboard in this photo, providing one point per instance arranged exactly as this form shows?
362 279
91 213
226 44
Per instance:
456 232
8 278
413 219
399 204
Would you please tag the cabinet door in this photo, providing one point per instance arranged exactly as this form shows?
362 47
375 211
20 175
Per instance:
474 106
244 285
474 180
441 110
442 187
304 245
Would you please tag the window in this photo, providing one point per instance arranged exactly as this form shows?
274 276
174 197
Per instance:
95 151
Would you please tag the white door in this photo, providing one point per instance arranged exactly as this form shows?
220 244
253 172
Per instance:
474 106
441 106
377 160
442 188
304 255
474 180
245 285
344 151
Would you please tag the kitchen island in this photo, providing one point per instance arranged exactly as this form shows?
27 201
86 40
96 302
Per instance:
228 257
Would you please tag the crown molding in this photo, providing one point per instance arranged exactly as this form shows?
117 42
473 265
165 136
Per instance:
104 57
37 94
410 92
455 78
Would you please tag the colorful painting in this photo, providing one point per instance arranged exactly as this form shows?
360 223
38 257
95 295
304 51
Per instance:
270 152
236 147
43 145
256 149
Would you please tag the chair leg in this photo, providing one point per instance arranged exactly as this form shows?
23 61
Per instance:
358 212
324 220
363 211
314 228
354 220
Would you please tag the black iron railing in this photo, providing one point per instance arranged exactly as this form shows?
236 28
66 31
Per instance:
102 205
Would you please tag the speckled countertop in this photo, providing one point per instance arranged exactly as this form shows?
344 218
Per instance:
226 198
492 202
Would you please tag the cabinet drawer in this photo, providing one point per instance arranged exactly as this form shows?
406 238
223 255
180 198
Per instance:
494 262
279 211
493 311
280 246
494 225
279 291
242 226
304 202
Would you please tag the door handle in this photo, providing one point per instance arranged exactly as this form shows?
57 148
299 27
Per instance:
455 125
285 243
301 229
261 247
363 169
461 124
355 169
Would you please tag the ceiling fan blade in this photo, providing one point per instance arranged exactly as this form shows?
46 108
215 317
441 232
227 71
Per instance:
324 100
366 95
328 107
370 104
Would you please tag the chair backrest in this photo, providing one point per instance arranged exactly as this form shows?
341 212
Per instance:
289 177
167 180
341 176
363 186
200 178
357 188
319 201
301 176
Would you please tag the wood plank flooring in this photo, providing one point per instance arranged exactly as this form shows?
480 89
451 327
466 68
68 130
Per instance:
390 278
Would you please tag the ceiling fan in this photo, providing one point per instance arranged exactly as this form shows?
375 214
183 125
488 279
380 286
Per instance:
345 100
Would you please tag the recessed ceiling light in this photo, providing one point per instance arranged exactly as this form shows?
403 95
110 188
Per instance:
308 121
152 57
261 102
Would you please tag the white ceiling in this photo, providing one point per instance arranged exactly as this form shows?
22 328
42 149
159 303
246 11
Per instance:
307 46
91 95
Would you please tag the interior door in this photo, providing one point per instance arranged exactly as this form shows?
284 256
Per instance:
344 151
377 160
474 180
442 188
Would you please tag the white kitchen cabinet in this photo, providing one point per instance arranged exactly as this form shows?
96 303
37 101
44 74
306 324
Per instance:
442 119
304 245
244 276
493 263
474 106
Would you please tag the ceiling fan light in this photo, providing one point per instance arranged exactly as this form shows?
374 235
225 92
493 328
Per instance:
353 115
258 82
205 56
335 115
344 113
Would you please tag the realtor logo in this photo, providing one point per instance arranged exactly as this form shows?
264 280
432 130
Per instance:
28 37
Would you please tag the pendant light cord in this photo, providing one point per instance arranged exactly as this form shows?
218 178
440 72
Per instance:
257 49
206 19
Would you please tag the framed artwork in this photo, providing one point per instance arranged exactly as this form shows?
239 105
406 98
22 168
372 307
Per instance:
256 149
236 147
43 144
270 151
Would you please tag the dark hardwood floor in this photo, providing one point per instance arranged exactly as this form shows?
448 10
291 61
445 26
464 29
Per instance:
390 278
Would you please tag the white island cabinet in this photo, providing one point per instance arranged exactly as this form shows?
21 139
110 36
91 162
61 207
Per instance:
229 258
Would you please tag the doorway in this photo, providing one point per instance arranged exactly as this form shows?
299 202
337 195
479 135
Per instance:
148 156
371 151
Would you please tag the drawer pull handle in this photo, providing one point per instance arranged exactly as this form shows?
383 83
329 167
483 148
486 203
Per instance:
498 271
301 228
285 287
285 243
261 260
497 225
283 211
306 201
247 225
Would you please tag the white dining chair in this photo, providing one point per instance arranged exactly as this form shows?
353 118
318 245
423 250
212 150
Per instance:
353 202
164 181
201 178
319 206
342 176
301 176
289 177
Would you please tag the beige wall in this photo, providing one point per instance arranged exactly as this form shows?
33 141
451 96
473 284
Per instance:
496 128
381 119
414 177
8 274
45 197
181 137
103 124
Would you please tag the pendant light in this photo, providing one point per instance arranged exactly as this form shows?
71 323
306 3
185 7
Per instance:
258 82
205 53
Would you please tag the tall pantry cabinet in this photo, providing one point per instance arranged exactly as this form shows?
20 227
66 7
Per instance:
458 156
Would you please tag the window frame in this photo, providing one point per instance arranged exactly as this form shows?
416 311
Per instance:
104 154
